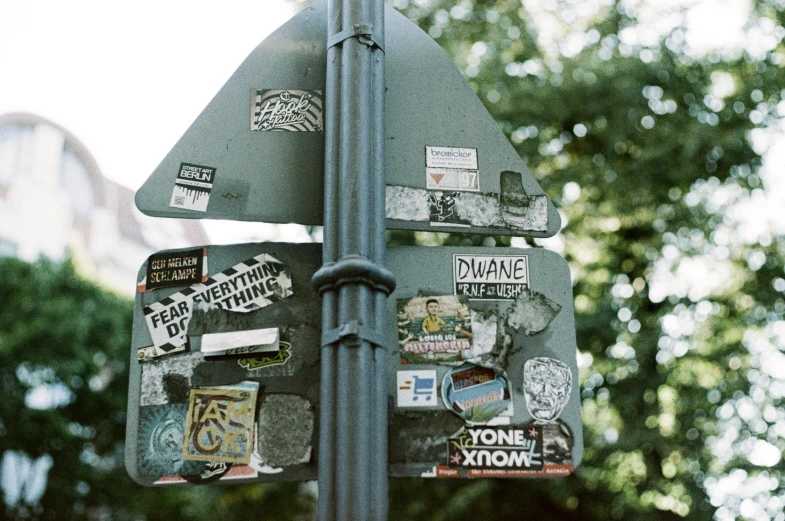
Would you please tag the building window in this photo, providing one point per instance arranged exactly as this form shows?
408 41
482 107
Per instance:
16 151
75 180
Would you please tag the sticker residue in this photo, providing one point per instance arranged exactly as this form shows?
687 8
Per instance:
248 342
461 209
192 187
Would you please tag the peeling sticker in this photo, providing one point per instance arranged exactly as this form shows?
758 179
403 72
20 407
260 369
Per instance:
490 277
192 187
154 385
180 268
147 353
449 168
257 361
219 426
476 393
285 110
547 383
247 286
433 330
520 210
416 388
484 331
484 210
532 311
240 342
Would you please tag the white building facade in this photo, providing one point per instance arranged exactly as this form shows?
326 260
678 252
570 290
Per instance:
55 202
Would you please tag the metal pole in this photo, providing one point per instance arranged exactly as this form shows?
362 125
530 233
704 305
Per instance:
353 280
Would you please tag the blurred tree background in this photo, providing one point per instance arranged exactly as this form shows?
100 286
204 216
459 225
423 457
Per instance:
651 143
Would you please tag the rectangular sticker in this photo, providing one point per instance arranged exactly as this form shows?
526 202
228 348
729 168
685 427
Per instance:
240 342
285 110
450 157
147 353
433 330
452 179
245 287
180 268
192 187
220 423
490 277
416 388
514 448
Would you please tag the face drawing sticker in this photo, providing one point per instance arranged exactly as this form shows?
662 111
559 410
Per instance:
547 383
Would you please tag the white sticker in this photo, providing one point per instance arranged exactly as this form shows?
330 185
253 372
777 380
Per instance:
192 187
453 169
247 286
416 388
241 342
490 277
449 157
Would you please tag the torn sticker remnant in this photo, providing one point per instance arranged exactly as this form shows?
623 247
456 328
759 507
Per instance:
247 286
484 210
220 423
532 311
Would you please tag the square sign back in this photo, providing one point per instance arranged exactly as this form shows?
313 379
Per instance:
490 277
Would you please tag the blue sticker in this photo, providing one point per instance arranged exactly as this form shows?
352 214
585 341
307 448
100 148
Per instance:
476 394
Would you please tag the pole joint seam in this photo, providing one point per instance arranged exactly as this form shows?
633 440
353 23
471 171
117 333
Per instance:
352 333
353 269
362 31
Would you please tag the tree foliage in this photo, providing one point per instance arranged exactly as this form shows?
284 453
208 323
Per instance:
652 152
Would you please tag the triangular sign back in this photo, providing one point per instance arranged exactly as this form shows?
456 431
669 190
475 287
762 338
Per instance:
256 152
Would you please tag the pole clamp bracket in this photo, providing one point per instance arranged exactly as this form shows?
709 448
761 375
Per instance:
353 333
362 31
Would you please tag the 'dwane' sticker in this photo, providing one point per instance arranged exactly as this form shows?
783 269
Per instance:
490 277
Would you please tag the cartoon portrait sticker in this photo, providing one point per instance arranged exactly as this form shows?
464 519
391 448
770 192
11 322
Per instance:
547 383
433 330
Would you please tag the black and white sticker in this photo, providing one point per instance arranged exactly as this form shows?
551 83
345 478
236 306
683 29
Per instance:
247 286
192 187
490 277
450 168
287 110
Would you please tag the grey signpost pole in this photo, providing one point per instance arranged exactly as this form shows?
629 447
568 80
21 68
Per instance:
353 280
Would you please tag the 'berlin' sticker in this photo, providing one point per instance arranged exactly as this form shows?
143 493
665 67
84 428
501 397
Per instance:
490 277
192 187
286 110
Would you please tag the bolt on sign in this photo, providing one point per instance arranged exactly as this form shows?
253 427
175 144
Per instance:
224 366
483 368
